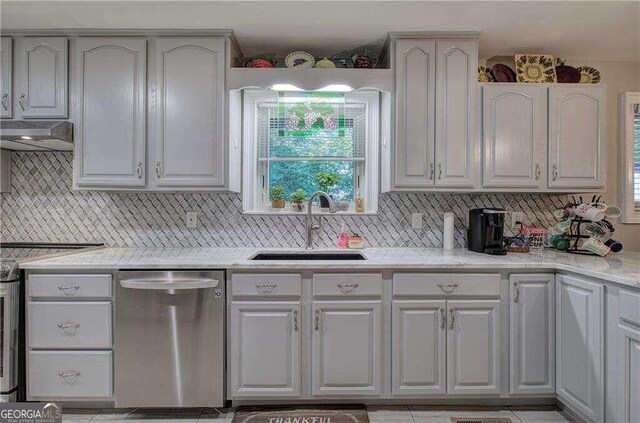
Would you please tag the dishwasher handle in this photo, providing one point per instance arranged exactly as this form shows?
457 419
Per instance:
162 284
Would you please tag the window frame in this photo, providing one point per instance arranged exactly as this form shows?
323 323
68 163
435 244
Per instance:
254 200
630 214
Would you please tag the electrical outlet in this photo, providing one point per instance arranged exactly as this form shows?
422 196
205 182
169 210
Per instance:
192 219
516 217
416 220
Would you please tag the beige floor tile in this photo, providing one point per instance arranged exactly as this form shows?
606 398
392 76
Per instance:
390 414
113 415
420 411
532 416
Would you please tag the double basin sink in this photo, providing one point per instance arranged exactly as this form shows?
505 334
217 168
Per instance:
325 256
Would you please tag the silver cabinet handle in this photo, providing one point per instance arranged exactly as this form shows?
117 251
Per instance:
69 373
555 172
139 170
158 169
516 297
65 288
443 318
21 102
68 325
346 287
448 287
439 170
4 101
295 320
317 320
537 171
452 312
431 170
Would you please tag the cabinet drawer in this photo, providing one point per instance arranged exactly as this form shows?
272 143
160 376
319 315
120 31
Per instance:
443 284
347 284
69 286
69 324
70 374
630 307
266 285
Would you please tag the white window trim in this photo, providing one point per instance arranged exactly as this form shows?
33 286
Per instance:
251 192
625 147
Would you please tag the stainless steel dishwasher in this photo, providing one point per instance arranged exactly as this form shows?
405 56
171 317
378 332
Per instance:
170 339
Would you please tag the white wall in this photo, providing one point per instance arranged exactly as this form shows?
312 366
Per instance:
619 77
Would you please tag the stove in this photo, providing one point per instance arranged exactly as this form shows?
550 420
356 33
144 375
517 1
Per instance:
12 339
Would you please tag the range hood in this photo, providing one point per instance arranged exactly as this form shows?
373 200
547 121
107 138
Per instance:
29 135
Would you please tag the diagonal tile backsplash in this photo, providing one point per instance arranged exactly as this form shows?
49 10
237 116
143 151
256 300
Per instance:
42 207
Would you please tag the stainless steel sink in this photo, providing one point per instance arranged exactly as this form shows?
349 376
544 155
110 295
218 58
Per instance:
325 256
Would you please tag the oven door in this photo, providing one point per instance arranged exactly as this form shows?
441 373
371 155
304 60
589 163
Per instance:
8 338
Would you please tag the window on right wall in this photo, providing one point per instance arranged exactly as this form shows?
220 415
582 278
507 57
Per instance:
630 156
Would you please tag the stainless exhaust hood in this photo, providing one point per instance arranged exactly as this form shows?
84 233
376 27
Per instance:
28 135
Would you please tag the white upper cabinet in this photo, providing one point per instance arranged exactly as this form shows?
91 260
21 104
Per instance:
434 113
415 76
456 75
110 111
532 334
580 345
577 119
42 72
514 136
189 138
6 77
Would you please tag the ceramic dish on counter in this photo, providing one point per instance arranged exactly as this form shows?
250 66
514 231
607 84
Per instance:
484 74
535 68
503 73
299 59
589 75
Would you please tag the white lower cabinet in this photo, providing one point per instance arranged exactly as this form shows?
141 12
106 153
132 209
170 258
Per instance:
579 345
473 347
346 348
419 335
265 344
628 374
532 334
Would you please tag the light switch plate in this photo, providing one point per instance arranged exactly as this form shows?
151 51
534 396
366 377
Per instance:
192 219
416 220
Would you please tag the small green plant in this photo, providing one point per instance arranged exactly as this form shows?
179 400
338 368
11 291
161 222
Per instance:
277 193
327 180
298 196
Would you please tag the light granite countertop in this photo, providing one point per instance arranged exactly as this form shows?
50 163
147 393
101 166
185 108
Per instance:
622 268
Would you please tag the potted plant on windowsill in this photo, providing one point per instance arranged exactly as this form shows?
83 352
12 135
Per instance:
327 181
277 197
298 198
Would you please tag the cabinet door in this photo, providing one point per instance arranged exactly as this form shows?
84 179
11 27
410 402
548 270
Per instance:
456 70
577 119
110 115
346 348
579 345
514 136
415 65
532 334
43 77
265 349
419 347
628 374
190 96
473 347
6 77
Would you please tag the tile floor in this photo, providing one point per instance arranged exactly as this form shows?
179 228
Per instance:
377 414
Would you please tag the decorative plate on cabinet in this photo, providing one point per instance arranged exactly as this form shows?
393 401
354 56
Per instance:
536 68
503 73
484 74
567 74
299 59
589 75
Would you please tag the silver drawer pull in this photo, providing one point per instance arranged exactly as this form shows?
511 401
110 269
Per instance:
443 317
295 320
68 325
316 322
452 312
448 287
21 102
516 297
4 101
347 287
266 288
69 373
65 288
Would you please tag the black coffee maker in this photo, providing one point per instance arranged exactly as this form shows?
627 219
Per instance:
486 230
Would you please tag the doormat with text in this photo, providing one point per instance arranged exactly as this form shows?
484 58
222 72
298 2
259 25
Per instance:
302 414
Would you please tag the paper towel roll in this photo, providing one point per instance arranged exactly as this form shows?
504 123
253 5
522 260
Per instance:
448 231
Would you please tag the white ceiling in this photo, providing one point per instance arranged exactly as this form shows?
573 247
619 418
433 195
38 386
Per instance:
586 30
